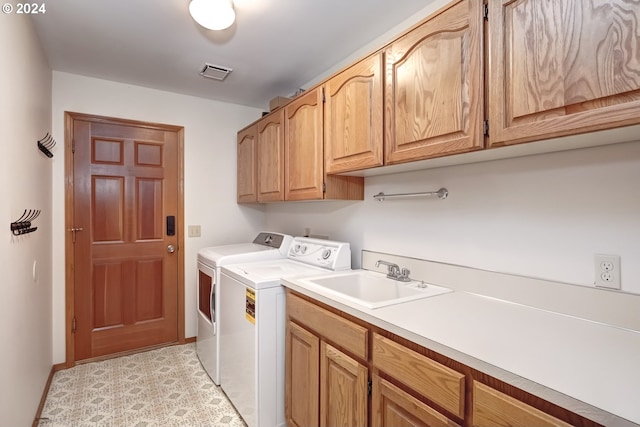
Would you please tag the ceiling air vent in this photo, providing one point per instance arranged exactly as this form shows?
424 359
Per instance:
215 72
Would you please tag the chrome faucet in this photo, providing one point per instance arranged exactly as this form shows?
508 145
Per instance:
394 271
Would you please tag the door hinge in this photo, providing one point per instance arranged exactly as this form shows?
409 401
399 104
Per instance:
323 98
486 128
73 145
73 326
324 187
486 12
369 387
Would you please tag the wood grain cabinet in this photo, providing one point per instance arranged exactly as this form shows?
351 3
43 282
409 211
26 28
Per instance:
341 371
353 117
324 385
247 170
281 157
435 382
270 158
434 103
392 406
304 147
492 408
305 177
562 67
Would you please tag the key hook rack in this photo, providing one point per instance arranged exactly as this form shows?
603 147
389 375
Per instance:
441 193
46 144
23 224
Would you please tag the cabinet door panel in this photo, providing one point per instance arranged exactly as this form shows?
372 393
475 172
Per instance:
303 147
353 117
302 377
246 155
394 407
433 88
271 158
343 389
561 67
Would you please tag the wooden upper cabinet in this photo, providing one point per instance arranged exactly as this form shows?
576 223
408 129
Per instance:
434 86
562 67
271 157
303 147
353 124
304 174
247 192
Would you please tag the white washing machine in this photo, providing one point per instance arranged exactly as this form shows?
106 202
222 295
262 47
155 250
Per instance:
252 336
265 246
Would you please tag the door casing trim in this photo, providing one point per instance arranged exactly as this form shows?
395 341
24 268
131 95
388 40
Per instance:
69 118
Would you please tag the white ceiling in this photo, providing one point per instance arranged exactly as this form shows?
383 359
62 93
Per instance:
274 47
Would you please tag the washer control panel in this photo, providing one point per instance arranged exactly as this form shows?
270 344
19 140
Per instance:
322 253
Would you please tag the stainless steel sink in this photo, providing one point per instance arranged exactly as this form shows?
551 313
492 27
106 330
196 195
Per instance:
371 289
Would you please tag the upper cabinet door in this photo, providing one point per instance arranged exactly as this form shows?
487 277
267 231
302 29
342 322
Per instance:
271 157
562 67
353 117
434 87
247 165
303 147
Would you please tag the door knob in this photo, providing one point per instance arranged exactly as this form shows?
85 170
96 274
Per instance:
171 249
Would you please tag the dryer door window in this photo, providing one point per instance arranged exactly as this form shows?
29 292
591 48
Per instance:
205 295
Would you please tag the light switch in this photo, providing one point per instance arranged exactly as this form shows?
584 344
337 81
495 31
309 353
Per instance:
194 231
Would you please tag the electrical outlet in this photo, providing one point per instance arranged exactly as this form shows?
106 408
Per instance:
607 271
194 231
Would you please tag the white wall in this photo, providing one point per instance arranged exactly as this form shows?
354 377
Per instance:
210 171
543 216
25 305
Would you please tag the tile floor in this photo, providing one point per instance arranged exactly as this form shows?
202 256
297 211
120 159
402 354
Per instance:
158 388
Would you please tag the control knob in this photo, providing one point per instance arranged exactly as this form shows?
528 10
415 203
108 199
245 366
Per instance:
326 254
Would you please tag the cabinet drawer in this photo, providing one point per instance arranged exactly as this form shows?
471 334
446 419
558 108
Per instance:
436 382
344 333
394 407
492 408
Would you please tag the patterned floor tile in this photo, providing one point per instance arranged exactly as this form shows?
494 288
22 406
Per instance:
159 388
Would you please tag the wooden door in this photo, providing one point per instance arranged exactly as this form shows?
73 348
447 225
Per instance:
353 123
125 277
343 389
562 67
304 152
302 377
247 181
395 407
434 87
271 157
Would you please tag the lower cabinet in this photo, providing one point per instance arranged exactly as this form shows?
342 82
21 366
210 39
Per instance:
302 377
341 371
343 389
492 408
324 386
392 406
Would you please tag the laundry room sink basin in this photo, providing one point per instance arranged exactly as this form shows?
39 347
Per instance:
371 289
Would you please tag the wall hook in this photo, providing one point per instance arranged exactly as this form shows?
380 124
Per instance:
23 224
46 144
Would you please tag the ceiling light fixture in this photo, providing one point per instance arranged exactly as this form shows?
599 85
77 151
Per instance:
213 14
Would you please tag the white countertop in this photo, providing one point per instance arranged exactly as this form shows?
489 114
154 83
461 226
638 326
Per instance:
587 367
